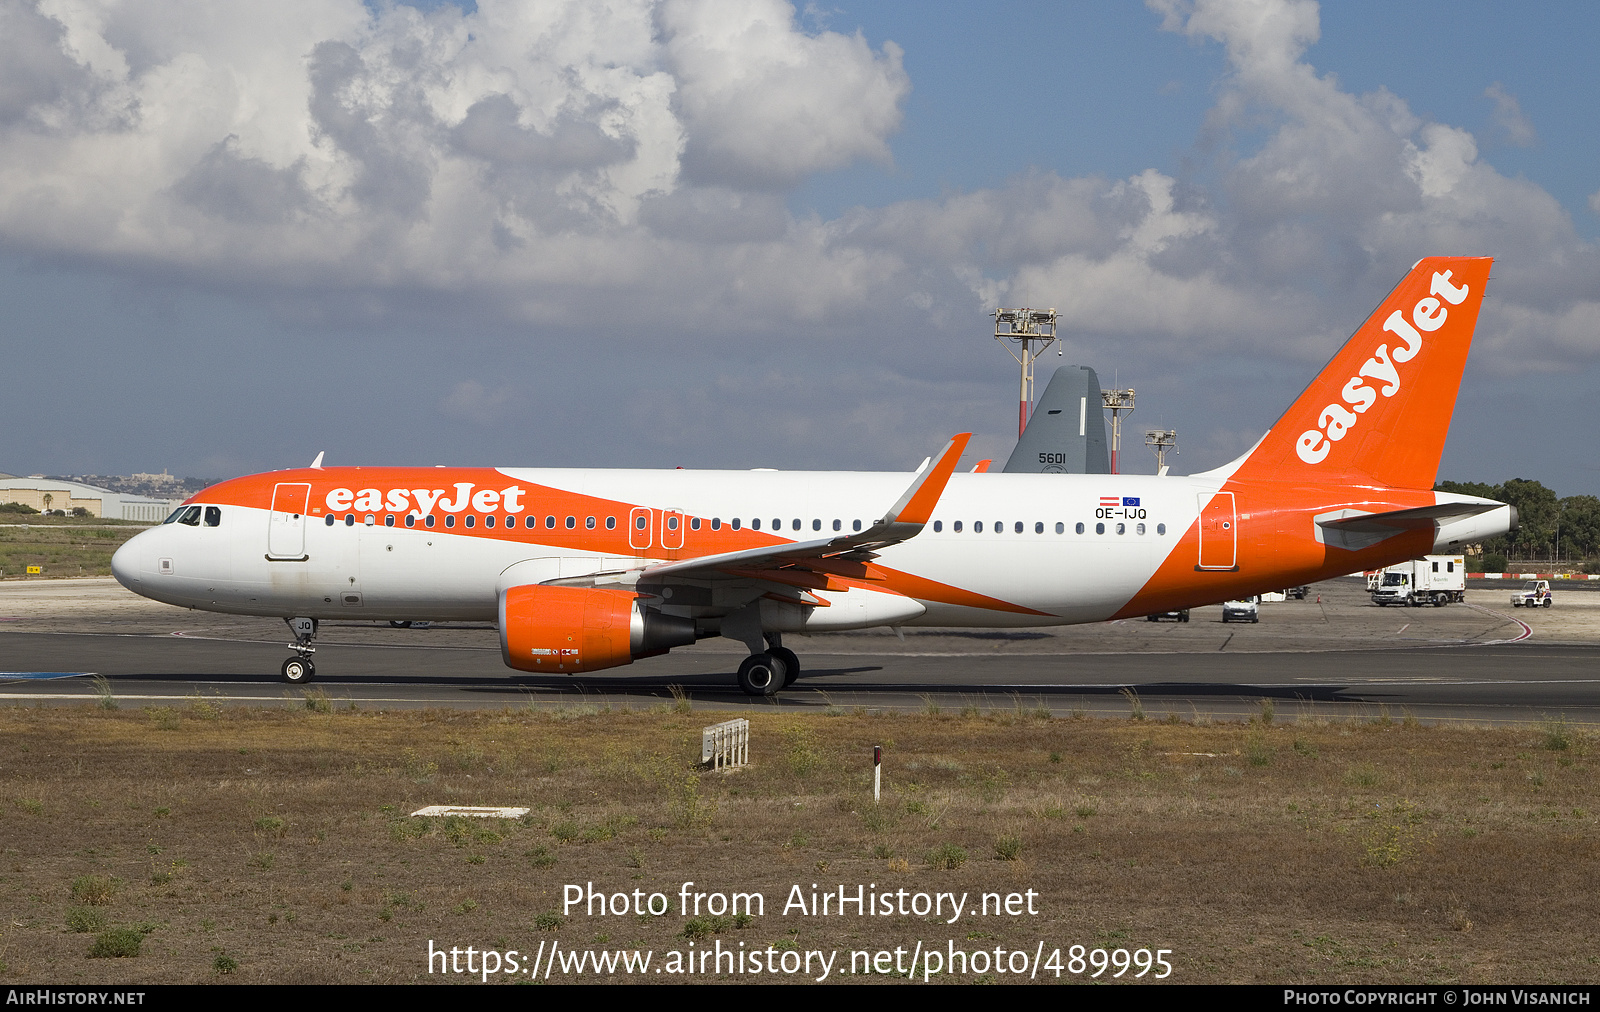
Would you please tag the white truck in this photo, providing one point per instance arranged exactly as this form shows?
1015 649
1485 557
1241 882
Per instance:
1534 594
1434 579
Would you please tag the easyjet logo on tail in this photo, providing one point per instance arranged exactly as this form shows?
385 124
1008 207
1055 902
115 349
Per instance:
1335 421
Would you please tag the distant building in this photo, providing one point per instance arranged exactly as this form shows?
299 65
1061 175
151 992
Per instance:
100 502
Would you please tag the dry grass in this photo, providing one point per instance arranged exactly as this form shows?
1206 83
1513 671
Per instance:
63 546
274 845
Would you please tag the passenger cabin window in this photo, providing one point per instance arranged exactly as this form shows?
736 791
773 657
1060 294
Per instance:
816 525
1080 529
838 525
855 525
1061 528
427 521
588 523
977 527
472 521
694 523
1099 528
1018 528
755 524
611 523
213 516
488 521
1160 528
716 523
449 520
330 519
411 520
572 522
938 525
956 527
1038 528
388 520
735 524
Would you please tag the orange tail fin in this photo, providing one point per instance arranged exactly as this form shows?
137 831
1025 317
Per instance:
1380 411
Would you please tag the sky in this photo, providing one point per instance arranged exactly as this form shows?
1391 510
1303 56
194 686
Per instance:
759 235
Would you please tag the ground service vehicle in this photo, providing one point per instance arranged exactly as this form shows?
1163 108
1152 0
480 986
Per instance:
1245 609
1181 615
584 570
1534 594
1436 579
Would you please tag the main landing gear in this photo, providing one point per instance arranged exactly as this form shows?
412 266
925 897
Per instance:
298 670
763 674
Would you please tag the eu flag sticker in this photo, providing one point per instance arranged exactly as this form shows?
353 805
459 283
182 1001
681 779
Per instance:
1130 500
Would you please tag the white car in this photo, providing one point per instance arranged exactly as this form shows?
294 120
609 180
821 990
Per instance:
1534 594
1244 610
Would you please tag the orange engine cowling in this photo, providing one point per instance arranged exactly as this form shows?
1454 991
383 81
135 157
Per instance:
567 630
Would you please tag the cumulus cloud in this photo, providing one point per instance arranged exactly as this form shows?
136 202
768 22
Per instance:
509 150
533 161
1508 116
765 105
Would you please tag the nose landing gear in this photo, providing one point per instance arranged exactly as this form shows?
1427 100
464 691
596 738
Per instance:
298 670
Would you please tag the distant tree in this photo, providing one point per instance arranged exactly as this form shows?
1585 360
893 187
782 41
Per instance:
1580 525
1476 488
80 511
1538 510
16 507
1541 515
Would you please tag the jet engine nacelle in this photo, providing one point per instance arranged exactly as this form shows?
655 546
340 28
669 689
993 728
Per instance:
573 629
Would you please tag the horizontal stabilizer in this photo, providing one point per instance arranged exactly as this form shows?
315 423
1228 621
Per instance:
1354 530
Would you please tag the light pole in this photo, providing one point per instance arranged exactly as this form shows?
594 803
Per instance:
1117 400
1032 330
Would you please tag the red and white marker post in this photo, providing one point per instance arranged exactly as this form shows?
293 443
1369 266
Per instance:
877 771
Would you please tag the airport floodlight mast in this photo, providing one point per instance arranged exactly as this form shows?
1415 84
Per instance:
1117 400
1162 440
1032 330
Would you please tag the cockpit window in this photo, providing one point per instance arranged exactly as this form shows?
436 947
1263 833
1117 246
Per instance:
213 516
191 516
175 514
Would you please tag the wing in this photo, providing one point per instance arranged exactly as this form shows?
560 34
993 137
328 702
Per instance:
808 563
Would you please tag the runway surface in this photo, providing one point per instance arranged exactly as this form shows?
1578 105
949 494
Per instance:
1333 655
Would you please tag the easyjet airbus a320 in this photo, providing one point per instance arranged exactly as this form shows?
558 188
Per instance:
591 569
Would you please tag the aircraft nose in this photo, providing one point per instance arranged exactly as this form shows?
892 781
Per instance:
125 564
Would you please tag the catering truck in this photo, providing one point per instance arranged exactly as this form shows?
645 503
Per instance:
1434 579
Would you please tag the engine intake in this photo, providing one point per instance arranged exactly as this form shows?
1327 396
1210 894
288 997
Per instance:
573 629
